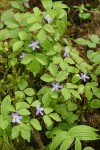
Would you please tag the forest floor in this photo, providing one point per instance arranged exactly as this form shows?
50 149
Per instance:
79 29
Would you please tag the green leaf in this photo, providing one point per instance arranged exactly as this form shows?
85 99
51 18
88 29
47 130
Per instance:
15 132
13 61
25 131
72 118
4 124
75 94
96 58
47 120
84 132
41 58
55 116
14 33
59 5
48 28
88 148
35 103
23 35
36 124
61 26
95 103
67 143
5 105
23 112
90 44
17 5
53 69
81 89
72 106
29 91
1 25
19 95
78 145
81 41
69 60
62 14
25 119
35 26
57 60
88 92
21 105
43 90
71 86
61 75
72 69
37 11
22 84
12 24
50 52
53 94
41 35
94 38
29 100
4 34
28 58
48 110
63 65
17 45
84 66
6 15
84 15
47 4
57 47
58 139
18 17
75 78
34 66
76 57
47 78
66 93
96 91
5 137
46 99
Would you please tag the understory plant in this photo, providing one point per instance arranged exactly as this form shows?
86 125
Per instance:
44 82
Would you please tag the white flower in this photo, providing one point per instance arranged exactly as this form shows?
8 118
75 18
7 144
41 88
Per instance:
66 52
34 45
47 18
23 55
84 77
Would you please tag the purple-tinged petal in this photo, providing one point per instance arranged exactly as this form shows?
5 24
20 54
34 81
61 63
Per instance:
83 76
60 86
18 121
53 84
65 54
37 107
16 118
34 45
57 89
23 55
41 113
30 45
56 86
37 112
41 108
47 18
13 120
